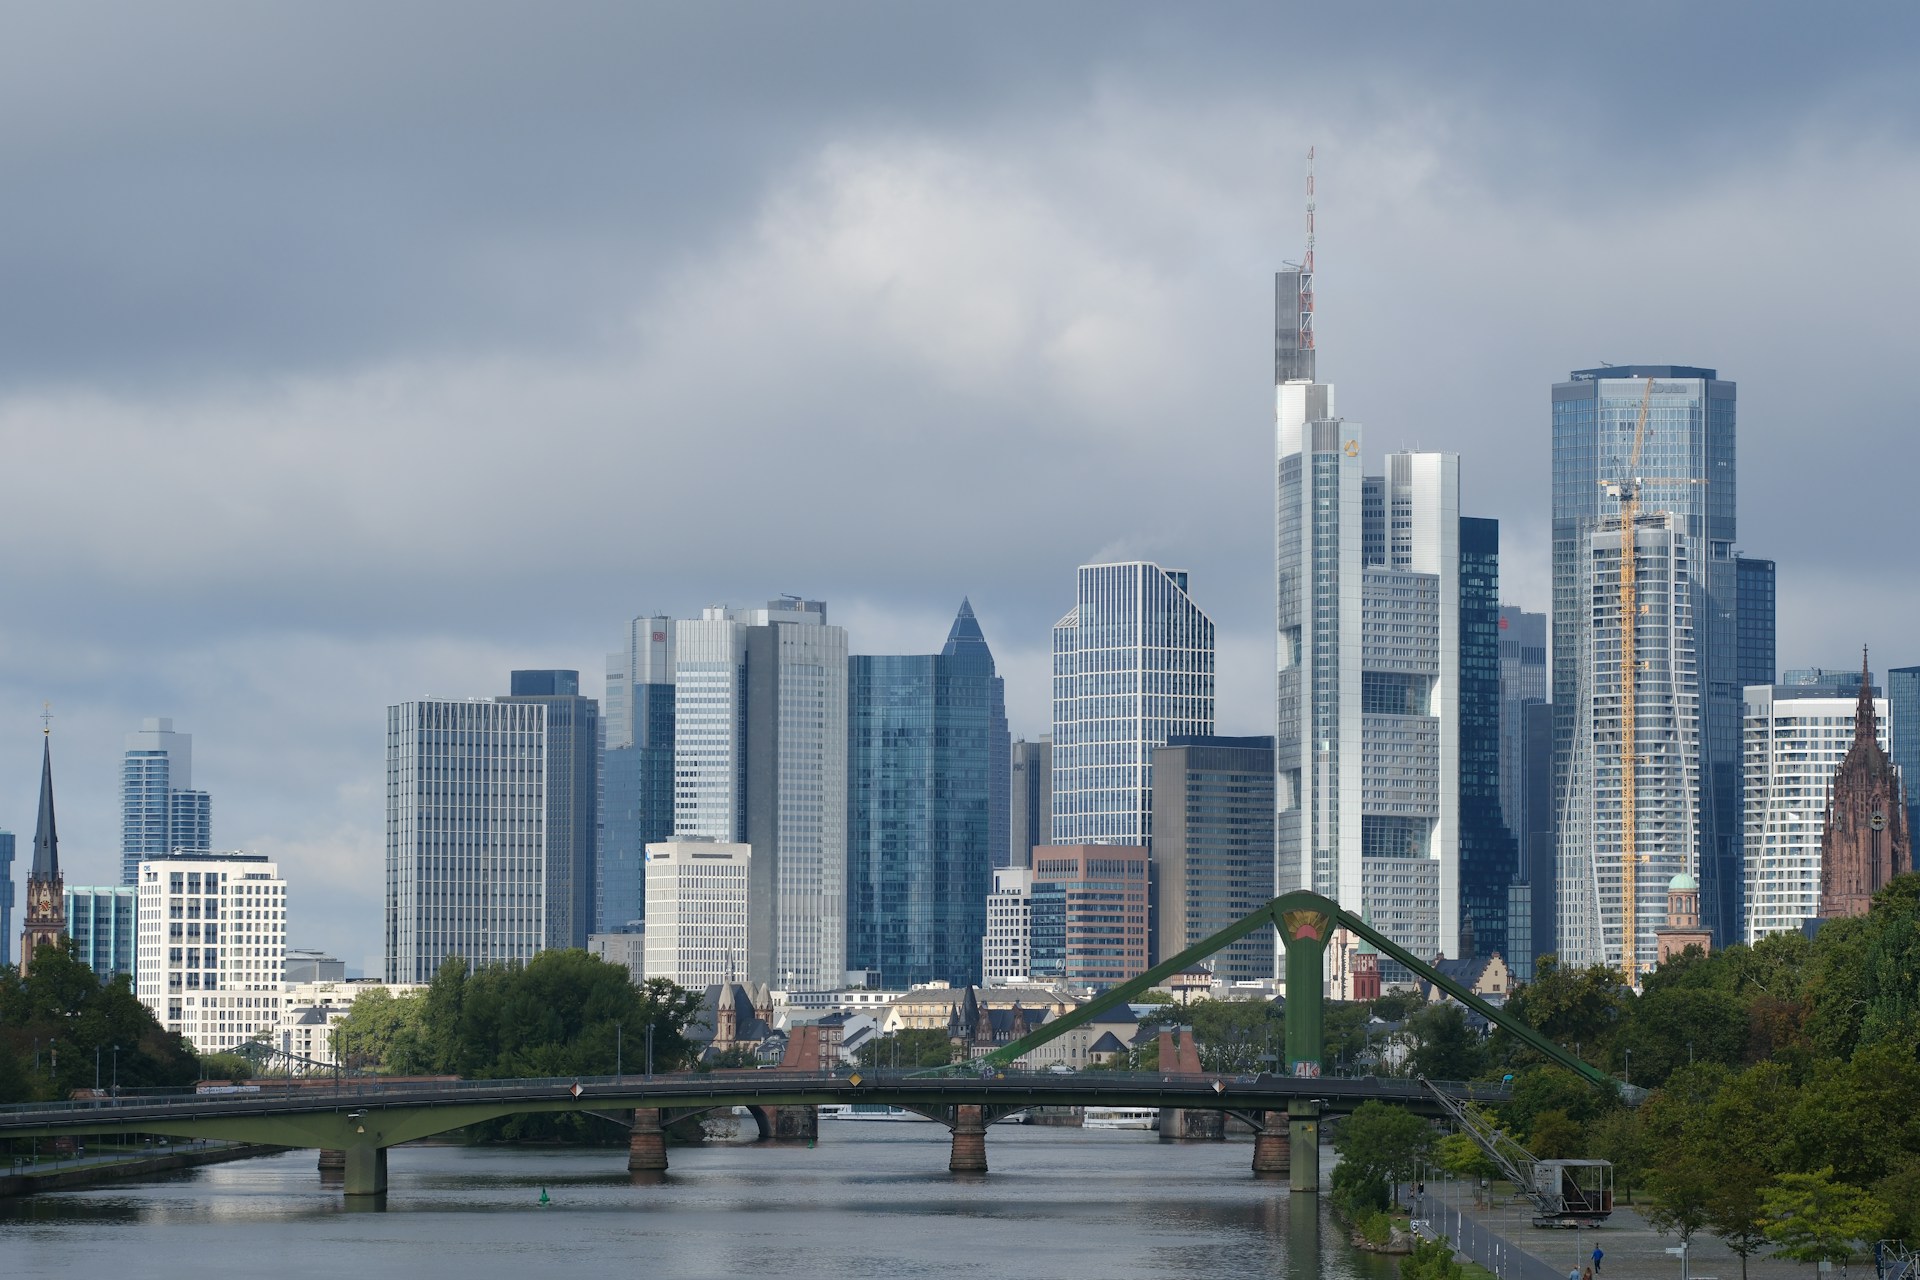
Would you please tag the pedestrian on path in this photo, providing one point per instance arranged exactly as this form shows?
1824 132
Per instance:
1598 1254
1586 1273
1573 1273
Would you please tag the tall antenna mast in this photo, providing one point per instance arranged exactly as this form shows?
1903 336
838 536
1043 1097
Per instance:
1306 273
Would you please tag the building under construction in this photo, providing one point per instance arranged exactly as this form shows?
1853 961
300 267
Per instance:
1650 652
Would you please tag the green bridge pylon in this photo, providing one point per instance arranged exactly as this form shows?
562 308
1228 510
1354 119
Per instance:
1306 922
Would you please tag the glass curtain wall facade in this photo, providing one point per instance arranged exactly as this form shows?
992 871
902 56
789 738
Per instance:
1756 660
636 771
1368 716
466 834
1097 898
1688 784
1903 712
573 798
1489 854
1132 667
760 758
926 809
1031 788
159 809
100 920
1796 738
6 896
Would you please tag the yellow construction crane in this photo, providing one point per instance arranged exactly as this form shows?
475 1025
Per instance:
1627 489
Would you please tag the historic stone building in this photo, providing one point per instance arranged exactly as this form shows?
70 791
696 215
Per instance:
1683 928
46 916
1865 842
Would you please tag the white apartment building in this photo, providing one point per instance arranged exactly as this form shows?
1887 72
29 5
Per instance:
626 949
1007 955
212 946
760 758
1793 741
466 834
698 930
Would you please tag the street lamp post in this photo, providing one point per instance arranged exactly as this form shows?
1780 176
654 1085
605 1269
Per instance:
649 1051
619 1047
116 1071
1629 1054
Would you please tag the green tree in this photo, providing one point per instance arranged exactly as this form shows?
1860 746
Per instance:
1431 1260
385 1033
1446 1049
1618 1137
78 1021
225 1066
1678 1195
1462 1157
909 1047
1736 1209
1573 1007
1555 1136
1812 1218
1383 1142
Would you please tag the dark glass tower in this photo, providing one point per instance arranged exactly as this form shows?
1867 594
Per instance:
1903 714
927 808
573 798
1212 848
1488 851
636 771
1756 622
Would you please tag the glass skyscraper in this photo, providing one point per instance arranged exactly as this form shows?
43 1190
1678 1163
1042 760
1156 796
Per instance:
636 770
1903 714
159 809
927 808
1688 636
6 896
1489 853
760 758
1213 848
1132 667
573 798
467 828
1755 591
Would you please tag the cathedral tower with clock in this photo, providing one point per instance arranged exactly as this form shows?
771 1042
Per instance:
46 917
1866 842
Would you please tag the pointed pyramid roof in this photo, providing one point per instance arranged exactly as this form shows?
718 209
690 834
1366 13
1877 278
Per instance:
46 840
965 633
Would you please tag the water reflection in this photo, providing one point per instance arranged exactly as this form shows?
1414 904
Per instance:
867 1201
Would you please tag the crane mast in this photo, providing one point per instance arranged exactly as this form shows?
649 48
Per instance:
1629 703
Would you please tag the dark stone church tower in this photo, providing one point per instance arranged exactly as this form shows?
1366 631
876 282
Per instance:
46 918
1866 842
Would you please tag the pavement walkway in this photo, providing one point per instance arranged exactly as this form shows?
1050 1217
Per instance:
1633 1250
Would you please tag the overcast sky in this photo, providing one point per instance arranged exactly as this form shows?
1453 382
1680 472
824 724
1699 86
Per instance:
358 353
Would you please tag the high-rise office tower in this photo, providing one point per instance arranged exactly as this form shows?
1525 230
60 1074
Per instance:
467 829
1031 785
760 758
1526 786
1006 955
1368 687
1489 851
573 798
212 946
1213 848
697 911
1903 715
927 808
1132 667
159 809
1796 737
636 770
1754 647
6 896
1089 913
1686 631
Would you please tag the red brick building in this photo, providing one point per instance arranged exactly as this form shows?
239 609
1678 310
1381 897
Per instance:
1865 842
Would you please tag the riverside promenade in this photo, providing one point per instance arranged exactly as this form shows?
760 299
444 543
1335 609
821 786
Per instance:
1634 1250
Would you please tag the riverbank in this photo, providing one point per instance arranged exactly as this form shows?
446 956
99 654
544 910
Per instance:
67 1176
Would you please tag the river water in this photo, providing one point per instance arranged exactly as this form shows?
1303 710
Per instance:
868 1200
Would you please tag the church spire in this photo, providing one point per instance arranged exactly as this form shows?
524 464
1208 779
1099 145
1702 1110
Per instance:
46 840
1864 722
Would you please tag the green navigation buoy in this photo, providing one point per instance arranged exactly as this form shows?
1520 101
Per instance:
544 1197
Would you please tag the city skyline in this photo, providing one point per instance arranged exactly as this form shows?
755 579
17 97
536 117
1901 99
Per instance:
1054 267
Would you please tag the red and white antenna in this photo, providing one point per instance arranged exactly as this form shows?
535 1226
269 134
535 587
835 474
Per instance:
1306 272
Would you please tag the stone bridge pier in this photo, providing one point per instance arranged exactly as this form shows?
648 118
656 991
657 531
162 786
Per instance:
647 1143
1271 1156
969 1125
